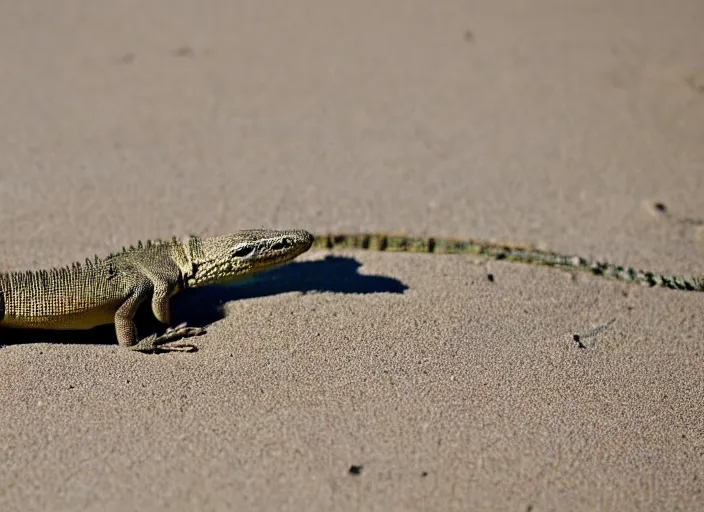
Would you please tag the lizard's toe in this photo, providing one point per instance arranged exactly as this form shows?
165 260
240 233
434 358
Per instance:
184 331
177 347
179 326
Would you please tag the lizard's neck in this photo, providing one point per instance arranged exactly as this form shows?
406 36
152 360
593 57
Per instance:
188 250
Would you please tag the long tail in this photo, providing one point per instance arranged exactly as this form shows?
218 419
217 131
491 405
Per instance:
401 243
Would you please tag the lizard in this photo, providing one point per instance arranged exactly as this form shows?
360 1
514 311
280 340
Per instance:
435 245
111 289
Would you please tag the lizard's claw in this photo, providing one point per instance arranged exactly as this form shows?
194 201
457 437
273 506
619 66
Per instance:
179 332
167 340
179 326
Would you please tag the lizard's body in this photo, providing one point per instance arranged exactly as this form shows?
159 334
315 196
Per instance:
111 289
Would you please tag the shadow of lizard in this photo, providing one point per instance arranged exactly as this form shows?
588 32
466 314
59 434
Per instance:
201 307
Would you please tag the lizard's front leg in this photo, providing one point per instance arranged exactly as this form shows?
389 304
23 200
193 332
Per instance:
163 290
126 329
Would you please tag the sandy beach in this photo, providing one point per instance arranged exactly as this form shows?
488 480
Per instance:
358 380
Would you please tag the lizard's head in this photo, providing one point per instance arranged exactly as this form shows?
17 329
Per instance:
222 259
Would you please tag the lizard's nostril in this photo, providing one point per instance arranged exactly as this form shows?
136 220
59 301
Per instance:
283 244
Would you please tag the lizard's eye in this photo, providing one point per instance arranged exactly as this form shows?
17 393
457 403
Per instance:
283 244
243 251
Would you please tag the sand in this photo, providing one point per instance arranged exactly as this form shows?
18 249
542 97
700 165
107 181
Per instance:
363 381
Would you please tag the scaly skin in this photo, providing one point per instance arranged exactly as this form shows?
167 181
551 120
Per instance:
111 289
403 243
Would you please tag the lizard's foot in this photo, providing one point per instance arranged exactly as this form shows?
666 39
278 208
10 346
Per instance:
167 341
